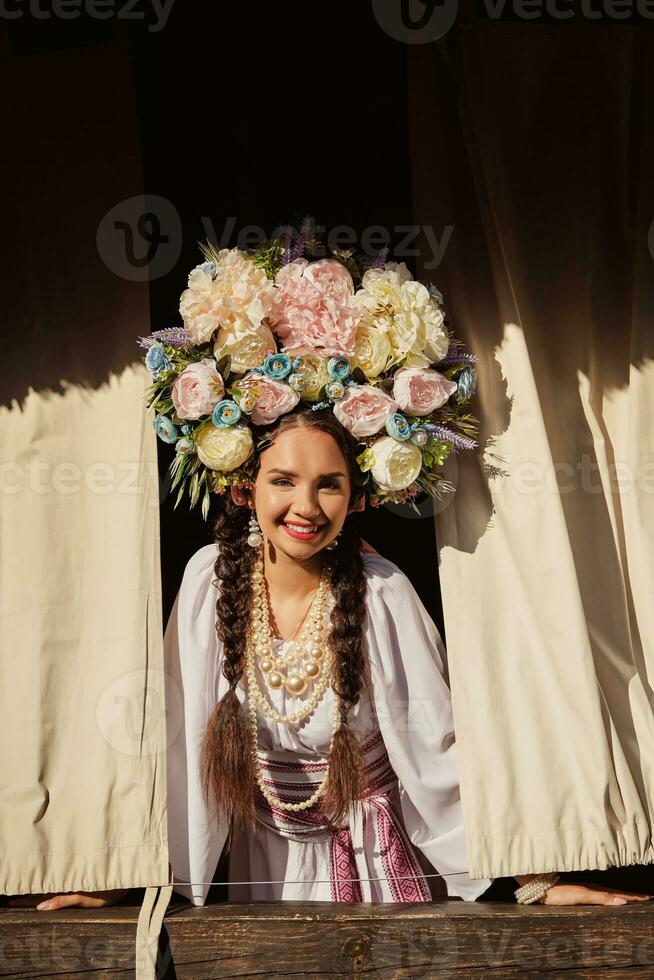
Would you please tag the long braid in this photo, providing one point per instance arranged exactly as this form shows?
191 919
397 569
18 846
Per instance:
346 637
226 761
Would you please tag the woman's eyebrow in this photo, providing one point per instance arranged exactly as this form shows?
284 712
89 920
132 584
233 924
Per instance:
290 473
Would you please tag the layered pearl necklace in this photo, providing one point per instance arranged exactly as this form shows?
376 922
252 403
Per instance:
283 670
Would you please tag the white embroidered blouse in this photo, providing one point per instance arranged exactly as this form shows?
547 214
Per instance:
410 707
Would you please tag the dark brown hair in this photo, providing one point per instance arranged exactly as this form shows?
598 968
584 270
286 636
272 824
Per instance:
227 765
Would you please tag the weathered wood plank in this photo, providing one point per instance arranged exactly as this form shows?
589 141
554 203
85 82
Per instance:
293 940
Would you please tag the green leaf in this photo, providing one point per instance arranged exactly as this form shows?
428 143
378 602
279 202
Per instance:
206 502
366 460
194 489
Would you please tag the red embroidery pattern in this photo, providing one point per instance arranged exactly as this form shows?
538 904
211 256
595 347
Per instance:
404 876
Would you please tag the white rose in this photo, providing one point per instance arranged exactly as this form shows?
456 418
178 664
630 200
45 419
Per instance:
381 287
247 346
397 464
224 449
372 347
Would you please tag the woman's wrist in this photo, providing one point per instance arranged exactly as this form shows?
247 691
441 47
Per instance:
533 888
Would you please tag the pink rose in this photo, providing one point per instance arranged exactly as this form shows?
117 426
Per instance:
420 391
313 310
274 398
363 409
197 389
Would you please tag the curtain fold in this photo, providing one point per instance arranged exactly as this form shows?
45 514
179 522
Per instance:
531 144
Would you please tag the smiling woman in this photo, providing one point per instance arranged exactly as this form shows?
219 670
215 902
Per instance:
317 721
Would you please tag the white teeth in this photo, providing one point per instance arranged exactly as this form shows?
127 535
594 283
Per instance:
302 530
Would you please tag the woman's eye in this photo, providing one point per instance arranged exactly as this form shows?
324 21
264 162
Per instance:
331 483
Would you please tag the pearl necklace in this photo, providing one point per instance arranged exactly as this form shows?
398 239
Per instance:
318 660
260 644
271 797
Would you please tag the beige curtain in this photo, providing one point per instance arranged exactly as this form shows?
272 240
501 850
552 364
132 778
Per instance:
82 709
533 158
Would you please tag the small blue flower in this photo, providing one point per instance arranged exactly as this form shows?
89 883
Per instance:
398 427
277 366
419 437
297 382
338 368
165 429
246 402
466 384
156 360
335 390
186 429
435 293
184 446
225 413
297 361
209 268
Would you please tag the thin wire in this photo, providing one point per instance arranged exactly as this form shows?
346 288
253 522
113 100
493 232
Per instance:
319 881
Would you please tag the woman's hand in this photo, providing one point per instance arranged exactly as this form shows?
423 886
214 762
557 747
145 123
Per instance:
50 901
569 893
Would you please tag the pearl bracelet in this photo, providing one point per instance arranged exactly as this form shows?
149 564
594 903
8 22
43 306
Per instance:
536 888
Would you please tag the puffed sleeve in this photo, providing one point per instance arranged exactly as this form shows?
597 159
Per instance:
195 836
414 712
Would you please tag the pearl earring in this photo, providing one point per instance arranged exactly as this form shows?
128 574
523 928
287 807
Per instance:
333 544
255 537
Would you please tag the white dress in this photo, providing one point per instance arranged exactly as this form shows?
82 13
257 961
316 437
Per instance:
410 717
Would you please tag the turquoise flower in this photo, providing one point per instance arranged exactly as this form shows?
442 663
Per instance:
466 384
156 360
338 368
165 429
277 366
398 427
225 413
335 390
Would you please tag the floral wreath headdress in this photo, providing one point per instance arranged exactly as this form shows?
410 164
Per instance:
268 330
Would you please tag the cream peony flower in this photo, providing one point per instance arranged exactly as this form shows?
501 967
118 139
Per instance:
372 348
240 296
405 308
224 449
247 346
314 371
397 464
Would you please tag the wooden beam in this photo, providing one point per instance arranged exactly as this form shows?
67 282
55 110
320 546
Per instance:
289 939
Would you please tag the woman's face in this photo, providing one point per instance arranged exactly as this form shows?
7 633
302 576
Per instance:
303 480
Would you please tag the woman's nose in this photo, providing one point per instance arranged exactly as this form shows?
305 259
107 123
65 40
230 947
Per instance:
306 503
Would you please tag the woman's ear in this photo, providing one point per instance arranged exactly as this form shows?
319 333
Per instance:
358 505
241 496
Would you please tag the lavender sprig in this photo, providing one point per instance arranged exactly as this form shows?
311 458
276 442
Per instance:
380 259
173 336
457 440
298 248
286 242
457 359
